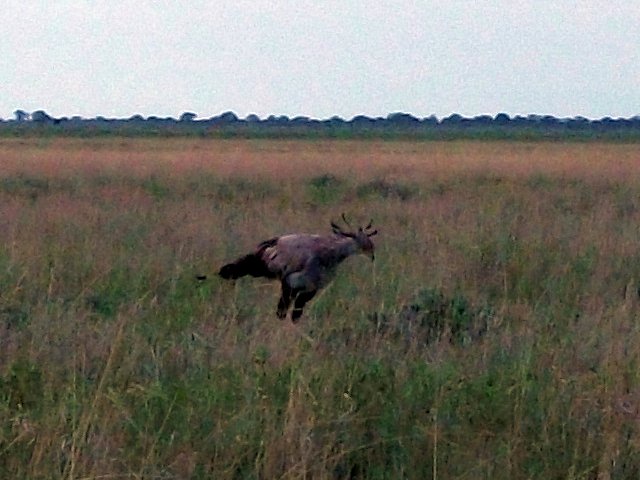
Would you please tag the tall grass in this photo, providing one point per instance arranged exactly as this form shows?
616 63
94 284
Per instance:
496 335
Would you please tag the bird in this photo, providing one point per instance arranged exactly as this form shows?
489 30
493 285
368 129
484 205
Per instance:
303 263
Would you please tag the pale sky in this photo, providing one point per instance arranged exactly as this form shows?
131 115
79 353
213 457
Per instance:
320 58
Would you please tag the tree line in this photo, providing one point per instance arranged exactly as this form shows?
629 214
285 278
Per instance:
394 125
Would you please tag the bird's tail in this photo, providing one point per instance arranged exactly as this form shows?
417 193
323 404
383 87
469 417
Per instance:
250 264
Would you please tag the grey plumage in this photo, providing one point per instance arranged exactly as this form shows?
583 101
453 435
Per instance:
304 263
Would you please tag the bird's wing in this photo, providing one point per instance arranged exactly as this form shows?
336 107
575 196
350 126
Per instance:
290 253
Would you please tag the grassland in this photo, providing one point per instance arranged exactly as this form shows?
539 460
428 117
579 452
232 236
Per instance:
496 335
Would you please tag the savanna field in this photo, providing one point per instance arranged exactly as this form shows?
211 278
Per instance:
495 336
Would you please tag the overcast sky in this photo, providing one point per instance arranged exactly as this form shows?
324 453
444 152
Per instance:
320 58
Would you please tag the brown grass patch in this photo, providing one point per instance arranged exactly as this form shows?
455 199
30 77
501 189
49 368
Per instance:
116 362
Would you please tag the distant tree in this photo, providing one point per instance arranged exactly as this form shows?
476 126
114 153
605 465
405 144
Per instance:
402 119
549 120
578 122
300 120
502 119
252 118
454 118
227 117
482 120
519 120
334 123
21 116
430 120
187 117
278 120
40 116
362 120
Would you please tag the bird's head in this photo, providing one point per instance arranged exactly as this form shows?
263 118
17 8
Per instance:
362 236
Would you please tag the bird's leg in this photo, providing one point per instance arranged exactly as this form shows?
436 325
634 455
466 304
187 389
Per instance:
298 305
285 300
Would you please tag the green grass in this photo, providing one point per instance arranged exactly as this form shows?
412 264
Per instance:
495 336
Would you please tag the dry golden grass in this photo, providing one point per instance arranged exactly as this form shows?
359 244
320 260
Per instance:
59 157
115 362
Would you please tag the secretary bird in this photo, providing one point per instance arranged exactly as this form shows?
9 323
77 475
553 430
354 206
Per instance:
302 262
